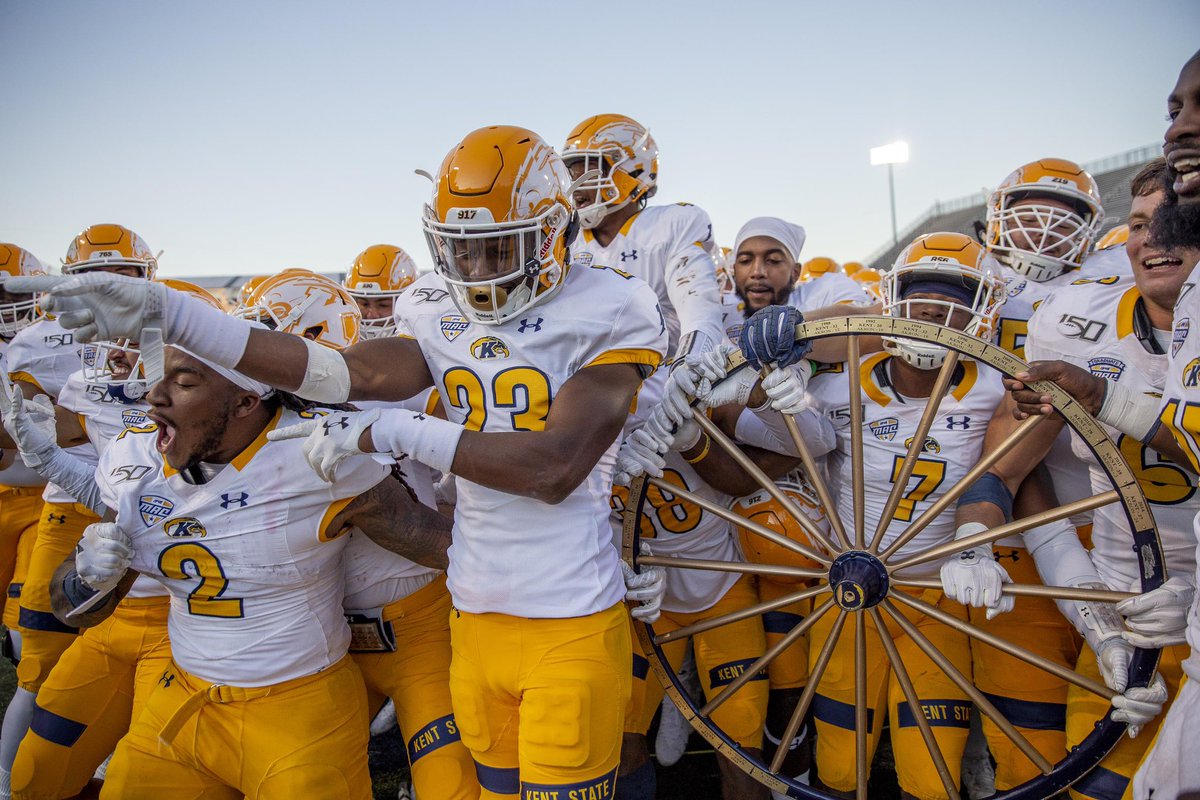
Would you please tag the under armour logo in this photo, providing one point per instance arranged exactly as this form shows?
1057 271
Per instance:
526 325
227 500
419 415
340 422
630 256
956 423
165 680
59 518
1013 555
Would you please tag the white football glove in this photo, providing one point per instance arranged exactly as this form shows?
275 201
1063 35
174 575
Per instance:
692 377
329 440
641 454
97 306
734 389
974 577
1137 706
1103 629
788 388
103 555
647 588
1158 618
31 425
680 434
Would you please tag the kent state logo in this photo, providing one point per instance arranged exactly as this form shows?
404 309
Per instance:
1191 373
1109 369
1179 335
850 595
931 444
453 325
133 418
488 347
184 528
885 429
154 508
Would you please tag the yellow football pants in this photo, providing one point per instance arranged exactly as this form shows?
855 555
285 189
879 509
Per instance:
539 702
789 670
1033 700
20 510
43 637
1112 778
722 654
304 738
417 678
88 700
945 706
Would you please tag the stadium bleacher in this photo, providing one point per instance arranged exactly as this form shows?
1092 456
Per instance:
1112 174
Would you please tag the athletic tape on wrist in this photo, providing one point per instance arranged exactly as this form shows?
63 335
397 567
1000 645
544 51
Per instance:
430 440
326 376
989 489
1129 411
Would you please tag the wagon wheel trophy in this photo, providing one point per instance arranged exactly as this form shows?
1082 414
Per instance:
855 577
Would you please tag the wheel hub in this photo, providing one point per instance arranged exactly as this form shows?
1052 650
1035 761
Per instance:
859 580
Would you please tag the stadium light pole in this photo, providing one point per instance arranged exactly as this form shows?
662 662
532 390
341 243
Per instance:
891 154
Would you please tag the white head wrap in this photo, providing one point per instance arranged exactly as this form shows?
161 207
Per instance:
236 378
788 234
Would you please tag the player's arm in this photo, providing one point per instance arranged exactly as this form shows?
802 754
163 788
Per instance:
1133 414
68 429
584 420
396 521
691 280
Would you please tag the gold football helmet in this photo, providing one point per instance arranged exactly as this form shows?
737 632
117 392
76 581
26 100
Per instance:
307 304
382 270
615 160
499 222
816 267
17 311
760 507
1117 236
107 245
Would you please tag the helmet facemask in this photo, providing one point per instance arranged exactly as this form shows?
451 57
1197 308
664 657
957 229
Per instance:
1041 240
117 368
497 270
970 303
605 180
17 315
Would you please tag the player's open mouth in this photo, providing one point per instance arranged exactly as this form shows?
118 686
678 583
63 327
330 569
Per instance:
1187 173
1160 263
166 435
760 292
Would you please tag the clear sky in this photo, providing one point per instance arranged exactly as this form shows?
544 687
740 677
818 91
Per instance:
244 137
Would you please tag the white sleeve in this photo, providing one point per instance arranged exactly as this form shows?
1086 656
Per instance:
766 429
75 477
691 276
1061 560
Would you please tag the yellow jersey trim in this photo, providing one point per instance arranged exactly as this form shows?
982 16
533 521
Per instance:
335 508
867 380
243 458
970 375
635 355
1125 311
17 377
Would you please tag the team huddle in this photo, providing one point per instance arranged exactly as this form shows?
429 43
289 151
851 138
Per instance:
231 535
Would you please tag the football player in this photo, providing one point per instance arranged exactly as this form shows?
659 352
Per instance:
538 361
40 358
823 283
1131 321
377 276
614 162
398 610
252 554
101 682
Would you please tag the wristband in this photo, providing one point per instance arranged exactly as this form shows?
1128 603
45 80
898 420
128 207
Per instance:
203 330
430 440
326 376
1128 411
989 489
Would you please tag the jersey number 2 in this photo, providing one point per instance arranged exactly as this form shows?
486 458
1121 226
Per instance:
189 561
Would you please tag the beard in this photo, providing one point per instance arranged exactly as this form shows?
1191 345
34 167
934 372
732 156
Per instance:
780 299
1175 225
210 445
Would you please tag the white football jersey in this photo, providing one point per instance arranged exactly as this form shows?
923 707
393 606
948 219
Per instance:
668 248
1069 473
45 354
890 420
256 582
1181 413
103 418
1112 260
1107 343
832 288
677 528
512 554
375 576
